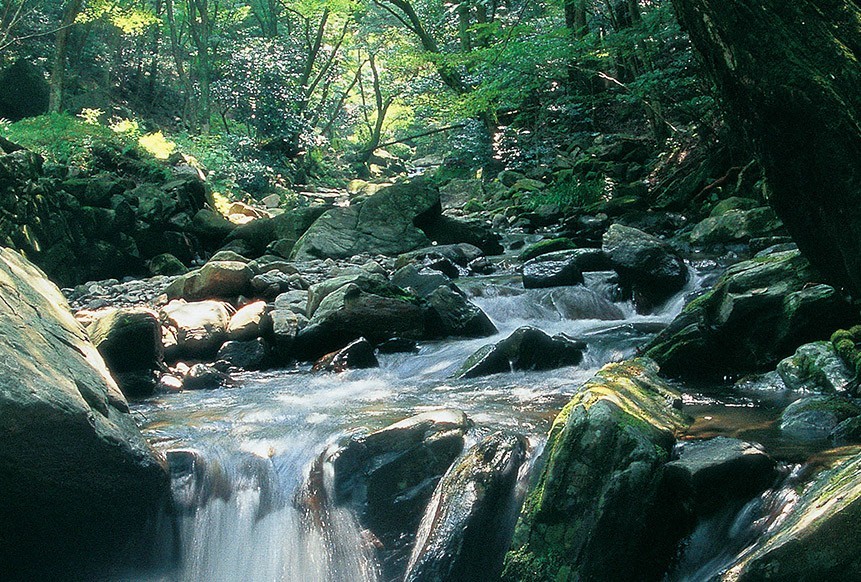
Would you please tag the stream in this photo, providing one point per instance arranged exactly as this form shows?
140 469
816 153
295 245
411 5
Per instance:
239 455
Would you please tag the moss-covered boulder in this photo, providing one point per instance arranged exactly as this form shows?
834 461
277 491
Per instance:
546 246
758 312
816 367
817 539
601 509
816 417
736 226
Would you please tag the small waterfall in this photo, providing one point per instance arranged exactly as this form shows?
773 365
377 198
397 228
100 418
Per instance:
719 541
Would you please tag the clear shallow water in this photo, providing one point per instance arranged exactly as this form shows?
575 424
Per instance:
255 443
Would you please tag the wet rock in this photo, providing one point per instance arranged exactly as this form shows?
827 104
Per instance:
815 367
250 354
815 417
388 476
383 224
285 326
451 314
647 264
602 485
204 377
398 345
468 524
421 281
546 246
224 279
349 313
527 348
714 471
538 273
356 355
367 282
73 464
194 330
250 321
814 541
757 313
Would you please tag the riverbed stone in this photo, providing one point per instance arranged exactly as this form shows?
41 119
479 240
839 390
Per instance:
129 340
602 485
540 273
757 313
420 280
815 417
527 348
224 279
733 226
73 464
452 314
194 330
356 355
204 377
250 321
251 354
388 476
646 264
469 521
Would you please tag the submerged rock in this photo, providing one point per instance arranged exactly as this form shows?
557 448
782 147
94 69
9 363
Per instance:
468 523
601 509
527 348
73 465
756 314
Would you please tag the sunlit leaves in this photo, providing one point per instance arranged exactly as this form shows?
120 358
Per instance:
132 19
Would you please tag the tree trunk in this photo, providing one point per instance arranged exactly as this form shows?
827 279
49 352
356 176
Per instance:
58 69
788 74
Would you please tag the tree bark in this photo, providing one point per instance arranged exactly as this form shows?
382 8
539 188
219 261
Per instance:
788 73
58 68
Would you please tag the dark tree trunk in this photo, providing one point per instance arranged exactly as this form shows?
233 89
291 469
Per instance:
789 74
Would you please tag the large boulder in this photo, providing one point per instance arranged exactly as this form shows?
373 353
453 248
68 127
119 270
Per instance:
601 509
468 524
815 541
540 273
83 493
816 417
384 224
527 348
758 312
646 264
388 476
129 340
447 230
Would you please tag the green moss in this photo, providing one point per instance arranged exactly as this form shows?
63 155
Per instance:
546 246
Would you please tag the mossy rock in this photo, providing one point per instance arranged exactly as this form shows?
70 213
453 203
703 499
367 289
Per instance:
601 509
546 246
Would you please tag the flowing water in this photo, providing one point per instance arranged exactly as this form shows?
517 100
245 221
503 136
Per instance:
239 455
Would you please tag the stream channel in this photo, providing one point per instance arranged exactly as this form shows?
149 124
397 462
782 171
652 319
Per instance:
238 520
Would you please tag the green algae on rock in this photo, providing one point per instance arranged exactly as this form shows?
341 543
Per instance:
601 508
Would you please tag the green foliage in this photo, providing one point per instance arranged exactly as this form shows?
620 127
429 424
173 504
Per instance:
568 194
